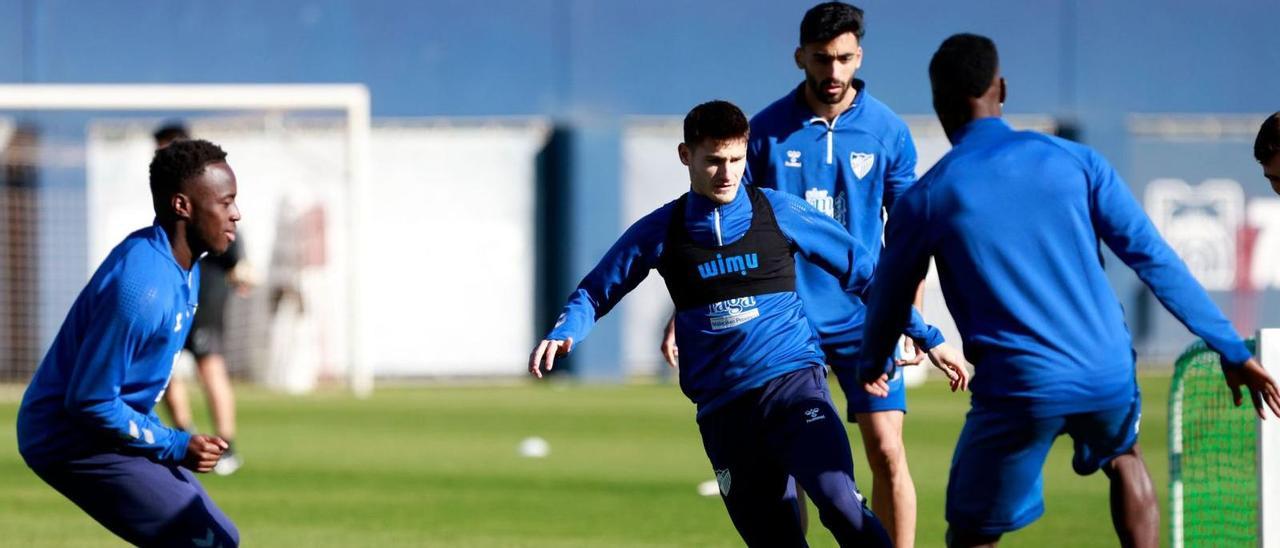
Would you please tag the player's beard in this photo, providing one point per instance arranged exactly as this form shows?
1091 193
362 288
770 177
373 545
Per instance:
819 89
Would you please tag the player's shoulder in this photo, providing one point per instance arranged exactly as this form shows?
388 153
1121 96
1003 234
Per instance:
877 112
781 116
663 212
1083 155
143 252
925 184
137 275
785 203
653 224
782 106
875 120
939 178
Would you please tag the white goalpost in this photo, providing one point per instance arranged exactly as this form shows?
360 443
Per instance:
1224 487
352 100
1269 450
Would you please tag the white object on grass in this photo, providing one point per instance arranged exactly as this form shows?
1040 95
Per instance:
534 447
709 488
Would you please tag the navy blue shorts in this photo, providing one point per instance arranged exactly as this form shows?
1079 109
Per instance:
142 501
787 428
996 482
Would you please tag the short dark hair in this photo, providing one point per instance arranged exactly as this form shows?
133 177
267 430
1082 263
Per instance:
1267 145
171 131
178 163
716 120
963 67
825 21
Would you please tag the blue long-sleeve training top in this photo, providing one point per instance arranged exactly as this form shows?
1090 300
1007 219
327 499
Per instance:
110 362
853 169
1013 220
726 348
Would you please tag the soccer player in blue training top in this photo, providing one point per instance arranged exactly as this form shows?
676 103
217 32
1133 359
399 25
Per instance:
1014 219
751 361
86 424
1266 148
833 144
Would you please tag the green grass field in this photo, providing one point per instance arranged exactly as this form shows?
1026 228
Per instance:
437 466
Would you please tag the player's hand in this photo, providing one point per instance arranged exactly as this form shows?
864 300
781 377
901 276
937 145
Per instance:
203 452
949 360
878 387
669 349
1261 387
544 355
911 354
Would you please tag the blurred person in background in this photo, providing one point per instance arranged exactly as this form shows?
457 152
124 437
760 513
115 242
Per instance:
87 424
220 275
1266 149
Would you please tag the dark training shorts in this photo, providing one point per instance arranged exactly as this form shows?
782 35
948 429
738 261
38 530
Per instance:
996 483
142 501
787 428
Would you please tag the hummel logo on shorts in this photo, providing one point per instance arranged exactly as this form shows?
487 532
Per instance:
814 414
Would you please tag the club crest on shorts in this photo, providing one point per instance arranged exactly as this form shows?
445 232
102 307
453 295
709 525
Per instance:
861 162
724 480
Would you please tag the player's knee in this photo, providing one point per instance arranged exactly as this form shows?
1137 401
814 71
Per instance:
837 495
234 536
198 525
1128 466
887 456
1129 472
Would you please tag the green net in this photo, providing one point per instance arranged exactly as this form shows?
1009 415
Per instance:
1213 448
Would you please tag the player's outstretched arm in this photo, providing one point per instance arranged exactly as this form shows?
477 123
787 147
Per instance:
1121 222
669 349
822 241
626 264
203 452
544 355
1262 388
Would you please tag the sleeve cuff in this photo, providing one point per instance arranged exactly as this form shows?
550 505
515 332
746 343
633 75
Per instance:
178 447
932 338
868 372
1234 356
